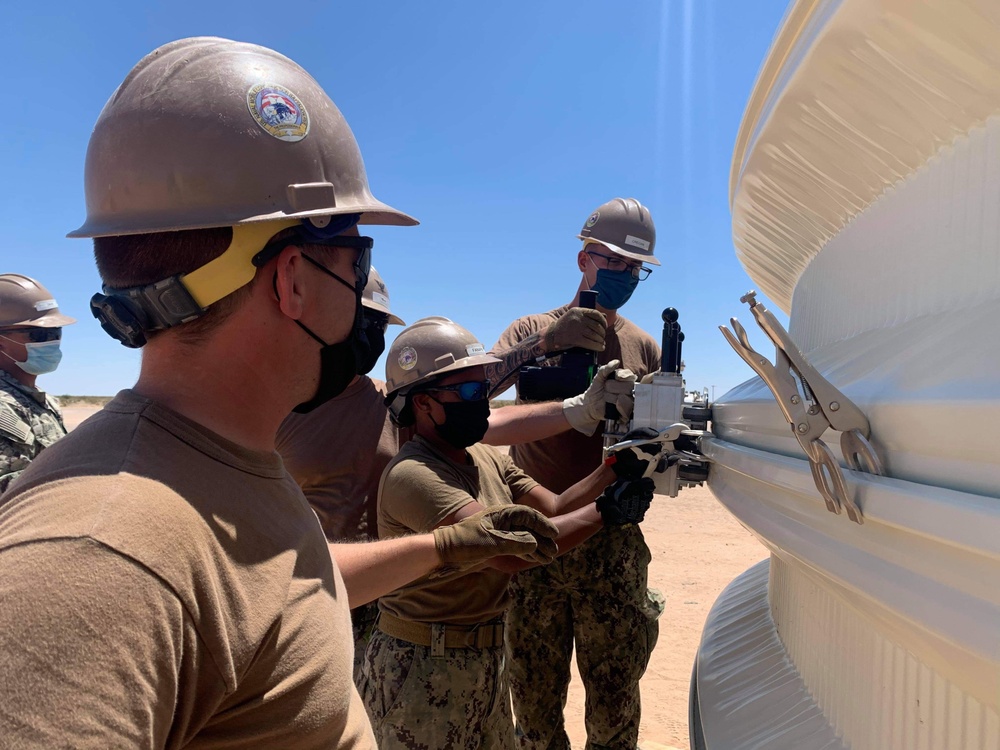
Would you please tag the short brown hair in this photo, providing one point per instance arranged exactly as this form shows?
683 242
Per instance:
139 259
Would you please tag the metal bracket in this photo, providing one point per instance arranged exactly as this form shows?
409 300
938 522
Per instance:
811 404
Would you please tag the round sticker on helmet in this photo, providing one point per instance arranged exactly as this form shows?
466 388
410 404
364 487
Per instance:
278 111
593 219
408 358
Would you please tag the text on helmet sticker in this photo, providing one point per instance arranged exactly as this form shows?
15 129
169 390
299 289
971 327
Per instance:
474 349
278 111
593 219
636 242
380 299
45 304
408 358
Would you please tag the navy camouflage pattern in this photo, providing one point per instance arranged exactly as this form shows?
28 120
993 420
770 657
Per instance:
597 595
30 421
459 701
363 621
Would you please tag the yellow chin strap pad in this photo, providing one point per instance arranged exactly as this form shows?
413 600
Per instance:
234 268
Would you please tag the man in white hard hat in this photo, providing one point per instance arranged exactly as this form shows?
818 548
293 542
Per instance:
164 581
434 673
595 598
30 331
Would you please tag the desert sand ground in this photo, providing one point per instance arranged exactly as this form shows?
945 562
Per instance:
698 548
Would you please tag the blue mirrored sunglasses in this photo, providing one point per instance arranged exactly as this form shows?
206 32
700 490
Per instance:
474 391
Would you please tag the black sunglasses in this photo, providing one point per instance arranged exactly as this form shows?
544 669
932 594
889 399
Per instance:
374 320
474 391
37 335
618 265
362 266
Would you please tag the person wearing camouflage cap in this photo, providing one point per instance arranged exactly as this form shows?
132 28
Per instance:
595 598
164 582
30 331
434 674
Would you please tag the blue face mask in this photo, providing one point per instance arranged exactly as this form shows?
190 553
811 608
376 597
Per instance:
42 358
614 288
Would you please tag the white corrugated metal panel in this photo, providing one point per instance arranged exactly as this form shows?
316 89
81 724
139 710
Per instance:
854 97
876 617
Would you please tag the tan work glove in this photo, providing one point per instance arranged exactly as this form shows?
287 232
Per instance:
510 530
580 326
610 386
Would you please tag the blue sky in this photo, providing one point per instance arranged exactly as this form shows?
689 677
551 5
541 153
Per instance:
501 126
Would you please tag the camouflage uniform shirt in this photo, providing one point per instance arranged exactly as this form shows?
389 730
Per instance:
29 421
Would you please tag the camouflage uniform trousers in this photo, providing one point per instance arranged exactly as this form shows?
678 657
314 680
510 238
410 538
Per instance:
459 701
596 595
363 621
29 422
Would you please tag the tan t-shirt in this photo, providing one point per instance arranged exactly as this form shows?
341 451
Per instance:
420 488
337 453
162 587
561 461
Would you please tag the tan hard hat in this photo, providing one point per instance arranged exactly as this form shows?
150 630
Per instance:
376 297
428 349
25 302
624 226
207 132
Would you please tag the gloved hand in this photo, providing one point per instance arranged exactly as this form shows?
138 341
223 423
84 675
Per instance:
626 501
579 326
632 463
610 385
510 530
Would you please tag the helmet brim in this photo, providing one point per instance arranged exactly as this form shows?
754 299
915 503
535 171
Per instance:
644 257
52 320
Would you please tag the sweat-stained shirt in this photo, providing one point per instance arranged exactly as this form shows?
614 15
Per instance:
562 460
420 488
163 587
337 453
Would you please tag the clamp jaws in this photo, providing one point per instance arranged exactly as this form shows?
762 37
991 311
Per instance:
657 447
810 411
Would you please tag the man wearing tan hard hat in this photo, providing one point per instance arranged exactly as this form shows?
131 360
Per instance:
434 673
595 598
30 331
337 452
164 581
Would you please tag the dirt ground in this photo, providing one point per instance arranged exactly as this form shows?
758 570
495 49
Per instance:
697 549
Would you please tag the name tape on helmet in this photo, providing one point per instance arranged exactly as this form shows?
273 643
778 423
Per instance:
636 242
380 299
46 304
474 349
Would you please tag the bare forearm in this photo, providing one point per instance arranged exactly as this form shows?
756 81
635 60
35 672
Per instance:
372 569
587 490
524 423
503 374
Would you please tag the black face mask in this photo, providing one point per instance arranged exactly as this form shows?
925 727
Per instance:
374 333
338 365
338 362
465 422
